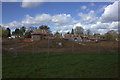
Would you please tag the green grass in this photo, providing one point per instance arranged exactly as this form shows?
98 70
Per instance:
60 66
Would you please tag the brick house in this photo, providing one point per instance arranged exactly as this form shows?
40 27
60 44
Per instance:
41 34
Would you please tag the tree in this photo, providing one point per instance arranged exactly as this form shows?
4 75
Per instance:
41 27
111 35
5 33
17 32
28 34
79 30
102 36
88 32
119 36
32 28
9 32
45 28
96 34
29 31
0 31
61 34
68 32
23 29
57 34
72 32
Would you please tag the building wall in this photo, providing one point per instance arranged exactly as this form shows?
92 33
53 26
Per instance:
35 37
67 36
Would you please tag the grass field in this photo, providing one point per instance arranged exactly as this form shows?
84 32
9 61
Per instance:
60 66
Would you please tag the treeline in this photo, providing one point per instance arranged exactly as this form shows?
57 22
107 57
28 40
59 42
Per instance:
24 32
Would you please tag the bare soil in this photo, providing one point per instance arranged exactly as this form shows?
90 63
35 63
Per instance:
41 46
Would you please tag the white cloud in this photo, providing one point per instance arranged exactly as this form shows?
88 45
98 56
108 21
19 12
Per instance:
13 24
43 18
58 20
83 7
78 24
30 3
101 31
100 25
88 18
37 20
114 25
85 27
63 29
111 12
28 20
62 19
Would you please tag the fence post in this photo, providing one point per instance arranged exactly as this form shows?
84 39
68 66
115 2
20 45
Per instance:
72 45
99 45
33 46
48 45
16 45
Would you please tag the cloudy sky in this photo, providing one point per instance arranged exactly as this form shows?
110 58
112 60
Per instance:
99 17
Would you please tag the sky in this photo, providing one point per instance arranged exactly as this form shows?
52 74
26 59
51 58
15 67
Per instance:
99 17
